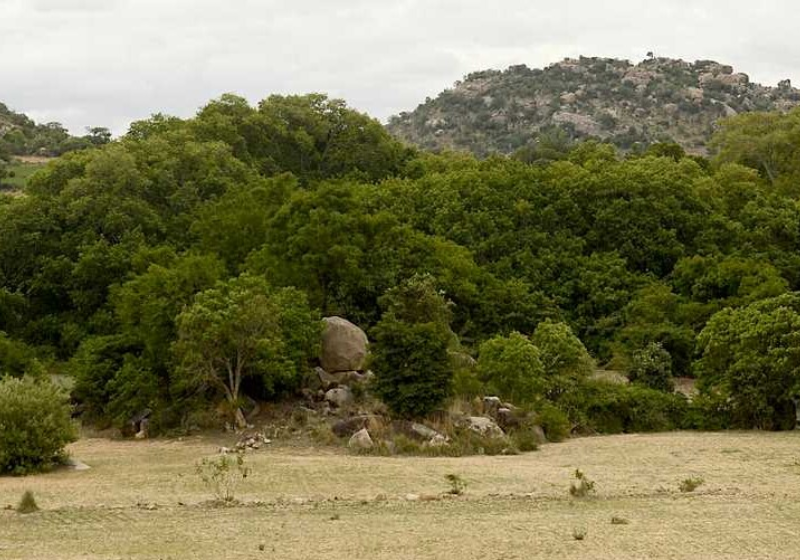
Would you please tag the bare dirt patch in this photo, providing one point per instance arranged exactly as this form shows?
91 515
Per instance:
143 500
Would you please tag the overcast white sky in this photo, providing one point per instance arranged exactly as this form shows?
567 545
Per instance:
108 62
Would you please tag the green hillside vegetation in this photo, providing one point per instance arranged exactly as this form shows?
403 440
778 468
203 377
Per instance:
117 266
21 136
630 106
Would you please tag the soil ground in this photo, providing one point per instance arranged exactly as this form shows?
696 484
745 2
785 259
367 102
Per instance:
143 500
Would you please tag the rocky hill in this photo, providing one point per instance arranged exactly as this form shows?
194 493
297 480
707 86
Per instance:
659 99
21 136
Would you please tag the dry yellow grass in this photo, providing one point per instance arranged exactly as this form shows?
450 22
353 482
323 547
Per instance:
142 500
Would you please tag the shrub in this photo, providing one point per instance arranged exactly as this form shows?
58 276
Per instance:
16 358
413 369
457 484
751 364
35 425
563 355
652 367
690 484
511 367
27 503
582 487
554 422
222 475
598 406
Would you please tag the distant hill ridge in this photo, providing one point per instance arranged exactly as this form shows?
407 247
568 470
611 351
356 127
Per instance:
659 99
21 136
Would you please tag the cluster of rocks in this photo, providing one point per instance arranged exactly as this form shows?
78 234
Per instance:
342 366
496 420
248 442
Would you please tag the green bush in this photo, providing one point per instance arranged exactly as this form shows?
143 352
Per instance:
608 408
27 504
35 425
554 422
413 375
511 367
652 367
750 363
413 368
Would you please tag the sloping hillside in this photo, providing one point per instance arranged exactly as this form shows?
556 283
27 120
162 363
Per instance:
21 136
659 99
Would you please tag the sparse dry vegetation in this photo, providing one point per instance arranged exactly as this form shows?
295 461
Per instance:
297 496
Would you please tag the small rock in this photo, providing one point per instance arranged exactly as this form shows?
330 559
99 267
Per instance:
491 405
506 418
484 426
76 465
340 396
361 440
349 426
421 431
412 497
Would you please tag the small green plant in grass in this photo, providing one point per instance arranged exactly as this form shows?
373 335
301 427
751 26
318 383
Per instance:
223 474
457 484
582 487
580 533
27 503
690 484
616 520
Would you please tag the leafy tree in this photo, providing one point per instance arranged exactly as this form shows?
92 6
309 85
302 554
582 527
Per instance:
512 368
245 328
563 356
751 362
767 142
413 371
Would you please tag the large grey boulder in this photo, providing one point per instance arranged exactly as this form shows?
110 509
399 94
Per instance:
344 346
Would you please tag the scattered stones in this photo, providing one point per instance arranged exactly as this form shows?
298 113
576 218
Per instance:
254 441
361 440
437 441
344 346
340 396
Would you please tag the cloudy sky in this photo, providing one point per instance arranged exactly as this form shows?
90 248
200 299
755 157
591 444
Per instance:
108 62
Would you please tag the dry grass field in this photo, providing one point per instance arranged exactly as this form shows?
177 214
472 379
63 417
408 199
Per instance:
143 500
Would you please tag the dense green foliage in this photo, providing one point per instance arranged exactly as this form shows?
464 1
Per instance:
652 367
147 264
414 371
242 329
35 425
751 362
512 368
